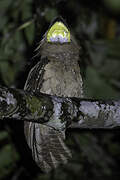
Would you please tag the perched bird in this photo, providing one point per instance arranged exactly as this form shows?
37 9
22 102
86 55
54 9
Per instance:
57 73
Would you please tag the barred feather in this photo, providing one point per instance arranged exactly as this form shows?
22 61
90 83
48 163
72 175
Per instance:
47 144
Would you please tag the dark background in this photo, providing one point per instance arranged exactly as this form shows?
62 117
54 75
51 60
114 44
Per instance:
96 27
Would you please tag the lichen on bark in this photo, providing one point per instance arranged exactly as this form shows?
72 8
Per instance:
69 112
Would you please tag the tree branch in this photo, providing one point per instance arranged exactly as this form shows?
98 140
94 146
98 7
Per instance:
58 112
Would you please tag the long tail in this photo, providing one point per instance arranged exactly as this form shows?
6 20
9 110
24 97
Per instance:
47 145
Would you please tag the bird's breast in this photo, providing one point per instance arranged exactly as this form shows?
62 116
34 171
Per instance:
62 80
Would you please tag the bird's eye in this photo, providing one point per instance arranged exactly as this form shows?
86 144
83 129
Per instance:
58 33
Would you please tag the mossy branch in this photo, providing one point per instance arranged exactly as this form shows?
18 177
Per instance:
67 112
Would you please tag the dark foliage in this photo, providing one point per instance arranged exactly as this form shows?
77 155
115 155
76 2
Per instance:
96 26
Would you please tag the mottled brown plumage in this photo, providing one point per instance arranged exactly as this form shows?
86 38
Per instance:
57 73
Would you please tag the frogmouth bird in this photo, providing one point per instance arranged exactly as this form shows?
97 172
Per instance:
57 73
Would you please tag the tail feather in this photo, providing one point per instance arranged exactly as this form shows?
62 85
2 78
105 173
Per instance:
47 145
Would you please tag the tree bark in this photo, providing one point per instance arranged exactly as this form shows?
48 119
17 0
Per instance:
58 112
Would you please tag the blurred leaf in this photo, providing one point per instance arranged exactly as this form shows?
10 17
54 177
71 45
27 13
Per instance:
96 87
26 24
105 57
7 73
30 33
113 5
8 156
50 14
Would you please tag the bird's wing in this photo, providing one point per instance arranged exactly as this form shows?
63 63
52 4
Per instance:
35 77
47 144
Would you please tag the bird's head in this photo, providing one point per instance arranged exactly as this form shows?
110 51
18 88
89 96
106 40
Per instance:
58 41
58 32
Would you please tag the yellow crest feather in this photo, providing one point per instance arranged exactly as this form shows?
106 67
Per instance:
58 33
